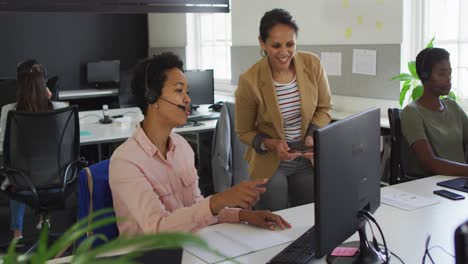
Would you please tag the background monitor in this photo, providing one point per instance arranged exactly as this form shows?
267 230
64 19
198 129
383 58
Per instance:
201 86
103 73
347 169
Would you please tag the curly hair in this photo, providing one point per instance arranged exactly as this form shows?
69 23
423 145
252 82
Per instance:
274 17
150 75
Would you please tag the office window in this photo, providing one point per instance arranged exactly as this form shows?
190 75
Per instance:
447 20
209 43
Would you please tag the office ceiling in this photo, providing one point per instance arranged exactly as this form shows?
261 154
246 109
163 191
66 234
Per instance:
116 6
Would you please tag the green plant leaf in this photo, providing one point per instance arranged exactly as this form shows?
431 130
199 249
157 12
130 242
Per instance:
87 244
403 77
431 43
404 91
159 240
452 95
417 92
11 256
412 69
78 230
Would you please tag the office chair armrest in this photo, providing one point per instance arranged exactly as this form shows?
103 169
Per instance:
10 173
77 165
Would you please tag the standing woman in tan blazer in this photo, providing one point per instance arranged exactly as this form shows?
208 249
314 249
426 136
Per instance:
280 100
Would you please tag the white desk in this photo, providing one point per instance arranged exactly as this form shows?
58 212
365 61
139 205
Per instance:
405 231
97 133
94 133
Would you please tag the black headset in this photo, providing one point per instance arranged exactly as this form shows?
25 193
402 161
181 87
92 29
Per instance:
150 95
425 75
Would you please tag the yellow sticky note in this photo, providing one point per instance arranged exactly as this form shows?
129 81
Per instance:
378 25
348 32
345 3
360 19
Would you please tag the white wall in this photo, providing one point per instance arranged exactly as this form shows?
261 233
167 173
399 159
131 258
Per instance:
167 30
323 21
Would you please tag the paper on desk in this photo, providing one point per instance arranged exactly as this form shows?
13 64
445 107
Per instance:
233 240
404 200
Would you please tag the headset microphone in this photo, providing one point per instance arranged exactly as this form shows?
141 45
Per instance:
178 105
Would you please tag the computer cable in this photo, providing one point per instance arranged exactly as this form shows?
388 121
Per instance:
426 251
396 256
376 244
371 218
443 249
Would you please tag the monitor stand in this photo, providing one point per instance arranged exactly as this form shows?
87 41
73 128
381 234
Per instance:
367 253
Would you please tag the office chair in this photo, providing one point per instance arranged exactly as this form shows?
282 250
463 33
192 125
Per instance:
399 149
41 158
228 165
94 193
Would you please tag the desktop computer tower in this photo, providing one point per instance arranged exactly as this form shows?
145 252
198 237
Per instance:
461 244
201 143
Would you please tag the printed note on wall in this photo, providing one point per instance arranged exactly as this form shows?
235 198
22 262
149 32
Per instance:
331 61
365 62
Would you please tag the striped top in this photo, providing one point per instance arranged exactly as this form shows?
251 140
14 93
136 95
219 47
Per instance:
290 107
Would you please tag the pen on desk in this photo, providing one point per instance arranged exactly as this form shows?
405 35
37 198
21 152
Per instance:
117 116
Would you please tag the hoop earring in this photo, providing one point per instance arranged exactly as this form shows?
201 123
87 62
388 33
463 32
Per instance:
263 53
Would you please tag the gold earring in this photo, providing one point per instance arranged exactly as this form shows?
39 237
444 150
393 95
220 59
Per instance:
156 106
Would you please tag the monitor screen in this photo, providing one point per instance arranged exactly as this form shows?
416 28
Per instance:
103 72
201 86
347 169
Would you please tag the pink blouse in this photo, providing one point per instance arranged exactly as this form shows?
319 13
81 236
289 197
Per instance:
156 194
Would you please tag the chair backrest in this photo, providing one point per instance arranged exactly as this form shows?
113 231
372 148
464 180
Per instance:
43 146
96 195
239 164
399 148
228 165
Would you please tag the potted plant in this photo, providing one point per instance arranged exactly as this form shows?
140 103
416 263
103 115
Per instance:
86 254
412 84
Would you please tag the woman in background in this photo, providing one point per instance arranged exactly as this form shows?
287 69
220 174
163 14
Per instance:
435 128
32 96
279 102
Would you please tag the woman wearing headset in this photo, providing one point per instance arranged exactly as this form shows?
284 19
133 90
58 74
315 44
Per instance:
152 175
435 128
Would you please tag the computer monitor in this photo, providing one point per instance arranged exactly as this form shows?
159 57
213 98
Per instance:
201 86
347 165
103 74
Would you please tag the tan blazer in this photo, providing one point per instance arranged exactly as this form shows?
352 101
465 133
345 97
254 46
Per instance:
257 108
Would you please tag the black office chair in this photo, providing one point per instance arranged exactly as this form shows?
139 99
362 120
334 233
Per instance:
399 149
41 158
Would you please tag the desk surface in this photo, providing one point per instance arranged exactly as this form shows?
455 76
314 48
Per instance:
405 231
93 132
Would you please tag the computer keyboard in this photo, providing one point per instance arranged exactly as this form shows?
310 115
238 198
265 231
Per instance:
206 117
300 251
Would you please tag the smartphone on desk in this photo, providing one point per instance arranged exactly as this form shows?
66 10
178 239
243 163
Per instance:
450 195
